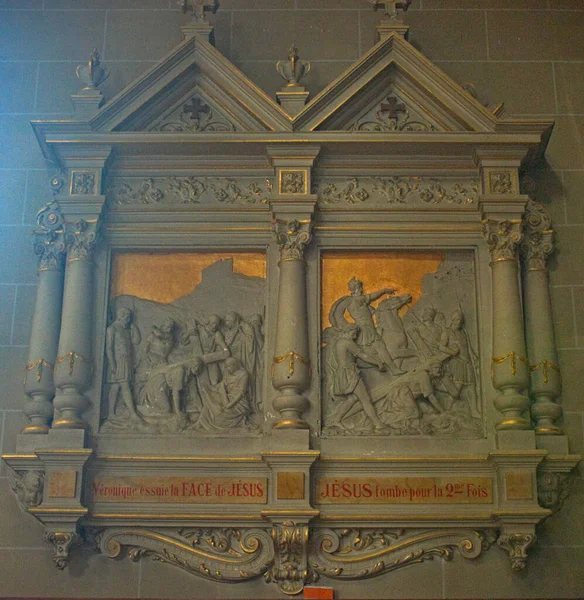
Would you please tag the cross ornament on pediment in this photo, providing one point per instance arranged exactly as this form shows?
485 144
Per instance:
200 8
391 7
195 108
392 107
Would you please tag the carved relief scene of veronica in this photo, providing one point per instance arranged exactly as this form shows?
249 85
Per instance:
184 343
400 348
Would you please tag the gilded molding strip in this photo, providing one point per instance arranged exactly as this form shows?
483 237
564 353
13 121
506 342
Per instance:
40 363
72 356
173 516
291 357
547 365
514 357
123 457
397 518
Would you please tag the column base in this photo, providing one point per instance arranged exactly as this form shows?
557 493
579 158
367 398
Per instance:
549 430
291 424
513 423
70 424
43 429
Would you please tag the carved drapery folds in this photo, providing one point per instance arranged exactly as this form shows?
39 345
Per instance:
545 383
50 246
509 365
291 370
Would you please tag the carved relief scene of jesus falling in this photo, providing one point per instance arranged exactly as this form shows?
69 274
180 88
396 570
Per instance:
184 344
399 343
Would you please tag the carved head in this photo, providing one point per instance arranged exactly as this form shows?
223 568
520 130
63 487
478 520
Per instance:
429 314
213 323
232 365
231 319
124 316
32 483
256 320
351 331
355 286
457 319
167 325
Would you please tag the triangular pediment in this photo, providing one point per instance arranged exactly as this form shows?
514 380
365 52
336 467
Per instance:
193 89
394 88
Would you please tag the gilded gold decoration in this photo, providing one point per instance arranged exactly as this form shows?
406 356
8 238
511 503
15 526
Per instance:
167 277
72 357
545 365
519 485
83 183
291 357
513 357
293 181
516 545
402 271
38 365
290 485
62 484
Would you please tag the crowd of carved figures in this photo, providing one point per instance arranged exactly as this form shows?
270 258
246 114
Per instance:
383 377
201 374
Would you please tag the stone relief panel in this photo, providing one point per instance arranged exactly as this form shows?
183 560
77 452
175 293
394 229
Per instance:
400 347
384 191
185 362
188 190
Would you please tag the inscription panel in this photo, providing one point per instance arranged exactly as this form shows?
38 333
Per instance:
404 490
180 490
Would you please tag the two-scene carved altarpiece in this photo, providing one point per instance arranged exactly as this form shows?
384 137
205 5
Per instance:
308 341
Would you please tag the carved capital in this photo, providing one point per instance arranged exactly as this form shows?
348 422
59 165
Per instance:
516 545
81 237
49 240
27 487
538 241
62 543
292 237
290 571
503 238
552 489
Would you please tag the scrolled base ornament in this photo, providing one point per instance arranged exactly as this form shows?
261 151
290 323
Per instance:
62 543
517 545
218 554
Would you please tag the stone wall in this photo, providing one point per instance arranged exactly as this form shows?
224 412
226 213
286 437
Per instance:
531 57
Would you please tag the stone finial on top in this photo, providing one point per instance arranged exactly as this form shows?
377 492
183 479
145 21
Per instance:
391 23
292 96
88 100
199 26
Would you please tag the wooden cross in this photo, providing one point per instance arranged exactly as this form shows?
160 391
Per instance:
392 107
196 108
391 6
200 8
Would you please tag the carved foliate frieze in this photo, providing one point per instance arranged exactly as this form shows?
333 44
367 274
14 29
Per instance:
83 183
396 191
292 237
293 182
501 182
81 238
538 242
219 554
27 487
516 545
503 238
194 116
189 190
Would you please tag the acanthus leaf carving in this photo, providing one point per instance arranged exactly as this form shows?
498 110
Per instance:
62 543
537 244
516 545
196 117
292 237
503 237
81 238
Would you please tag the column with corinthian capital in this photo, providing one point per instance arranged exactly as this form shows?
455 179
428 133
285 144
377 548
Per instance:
509 367
49 245
545 383
73 369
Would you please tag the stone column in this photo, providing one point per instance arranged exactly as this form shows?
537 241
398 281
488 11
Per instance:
291 370
39 386
73 370
545 383
509 368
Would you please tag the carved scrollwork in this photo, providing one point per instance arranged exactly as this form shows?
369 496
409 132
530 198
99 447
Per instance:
226 555
194 116
538 241
503 238
27 487
81 238
292 237
62 543
352 193
49 242
363 553
516 545
391 115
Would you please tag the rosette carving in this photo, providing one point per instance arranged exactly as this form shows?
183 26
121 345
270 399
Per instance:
362 553
80 238
502 237
218 554
292 237
538 241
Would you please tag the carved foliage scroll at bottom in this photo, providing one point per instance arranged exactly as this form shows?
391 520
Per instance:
62 543
517 545
227 555
292 555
